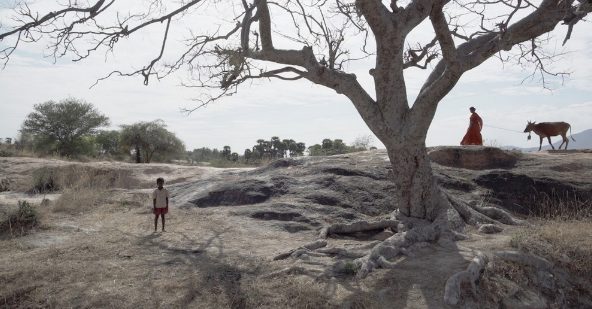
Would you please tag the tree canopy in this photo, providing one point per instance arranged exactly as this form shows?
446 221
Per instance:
148 139
63 126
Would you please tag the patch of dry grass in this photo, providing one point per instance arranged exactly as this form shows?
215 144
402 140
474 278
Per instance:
83 188
567 242
11 150
500 279
48 179
561 206
78 200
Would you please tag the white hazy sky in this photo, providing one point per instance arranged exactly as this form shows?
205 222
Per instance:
298 110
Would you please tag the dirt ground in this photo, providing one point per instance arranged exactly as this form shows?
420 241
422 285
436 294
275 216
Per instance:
109 256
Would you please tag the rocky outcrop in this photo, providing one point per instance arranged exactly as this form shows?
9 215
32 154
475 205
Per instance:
525 194
343 186
474 157
349 187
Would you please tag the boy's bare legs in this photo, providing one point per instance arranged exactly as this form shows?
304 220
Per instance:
162 215
155 222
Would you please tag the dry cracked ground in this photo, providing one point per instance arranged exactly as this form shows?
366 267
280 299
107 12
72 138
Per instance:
94 245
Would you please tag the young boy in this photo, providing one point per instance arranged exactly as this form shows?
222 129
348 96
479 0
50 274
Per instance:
160 200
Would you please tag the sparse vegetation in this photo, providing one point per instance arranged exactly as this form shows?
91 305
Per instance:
50 179
80 199
20 221
567 206
565 242
350 268
220 257
332 147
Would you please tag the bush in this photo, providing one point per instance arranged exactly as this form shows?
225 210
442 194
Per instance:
22 220
45 180
50 179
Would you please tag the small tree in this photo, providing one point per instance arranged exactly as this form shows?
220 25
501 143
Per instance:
226 152
108 142
364 141
145 139
63 127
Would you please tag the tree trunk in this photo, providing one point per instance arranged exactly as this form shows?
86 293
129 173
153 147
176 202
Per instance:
138 156
417 194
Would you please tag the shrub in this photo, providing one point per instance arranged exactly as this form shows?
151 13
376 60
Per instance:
22 220
45 180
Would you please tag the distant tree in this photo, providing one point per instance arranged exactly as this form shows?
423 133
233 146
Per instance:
226 152
330 147
327 145
145 139
299 149
316 150
364 141
247 155
277 147
61 127
108 142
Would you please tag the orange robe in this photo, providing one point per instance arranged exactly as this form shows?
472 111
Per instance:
473 136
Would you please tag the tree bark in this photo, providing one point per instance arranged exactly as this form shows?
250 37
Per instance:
138 156
416 192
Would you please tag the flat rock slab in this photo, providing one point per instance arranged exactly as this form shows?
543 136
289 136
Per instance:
473 157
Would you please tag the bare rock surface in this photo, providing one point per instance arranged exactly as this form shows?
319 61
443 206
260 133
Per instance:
225 227
473 157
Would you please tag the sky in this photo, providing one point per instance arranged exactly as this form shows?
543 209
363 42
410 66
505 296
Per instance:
502 93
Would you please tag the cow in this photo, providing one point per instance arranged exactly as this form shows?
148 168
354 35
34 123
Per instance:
548 129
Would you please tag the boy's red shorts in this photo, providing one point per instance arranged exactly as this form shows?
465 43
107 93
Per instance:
161 211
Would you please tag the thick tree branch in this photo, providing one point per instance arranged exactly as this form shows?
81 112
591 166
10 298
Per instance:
376 14
443 35
542 20
264 25
416 12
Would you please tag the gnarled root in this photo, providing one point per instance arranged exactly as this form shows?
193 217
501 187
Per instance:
293 270
397 244
452 290
474 214
358 226
319 243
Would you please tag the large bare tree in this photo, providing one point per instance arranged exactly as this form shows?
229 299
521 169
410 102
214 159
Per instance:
315 40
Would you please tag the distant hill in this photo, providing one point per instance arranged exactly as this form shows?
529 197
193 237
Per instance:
583 140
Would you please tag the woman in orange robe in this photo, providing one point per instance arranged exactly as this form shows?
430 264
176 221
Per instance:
473 136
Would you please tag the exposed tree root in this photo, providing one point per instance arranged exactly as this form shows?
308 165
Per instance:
452 290
477 215
526 259
319 243
358 226
292 270
395 245
410 233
